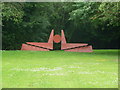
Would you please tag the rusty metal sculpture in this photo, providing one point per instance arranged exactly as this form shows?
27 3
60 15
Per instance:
37 46
73 47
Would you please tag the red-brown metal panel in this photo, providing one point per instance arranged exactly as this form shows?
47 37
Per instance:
72 45
48 45
81 49
45 45
63 40
51 37
65 45
32 48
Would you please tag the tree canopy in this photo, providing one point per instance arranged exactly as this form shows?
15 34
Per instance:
96 23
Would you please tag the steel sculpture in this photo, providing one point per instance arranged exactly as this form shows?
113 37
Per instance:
72 47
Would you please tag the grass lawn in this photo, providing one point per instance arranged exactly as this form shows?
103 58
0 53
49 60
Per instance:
59 69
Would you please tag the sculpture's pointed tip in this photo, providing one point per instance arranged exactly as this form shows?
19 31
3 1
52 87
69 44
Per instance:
62 30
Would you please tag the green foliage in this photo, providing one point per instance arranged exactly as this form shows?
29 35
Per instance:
97 22
109 12
97 13
12 11
82 22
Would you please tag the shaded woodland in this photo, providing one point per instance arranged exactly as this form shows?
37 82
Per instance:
95 23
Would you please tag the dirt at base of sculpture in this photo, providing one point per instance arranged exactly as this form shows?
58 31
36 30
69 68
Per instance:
71 47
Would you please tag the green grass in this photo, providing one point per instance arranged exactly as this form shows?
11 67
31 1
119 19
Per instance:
59 69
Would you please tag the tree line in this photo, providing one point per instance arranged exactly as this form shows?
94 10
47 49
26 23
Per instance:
95 23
